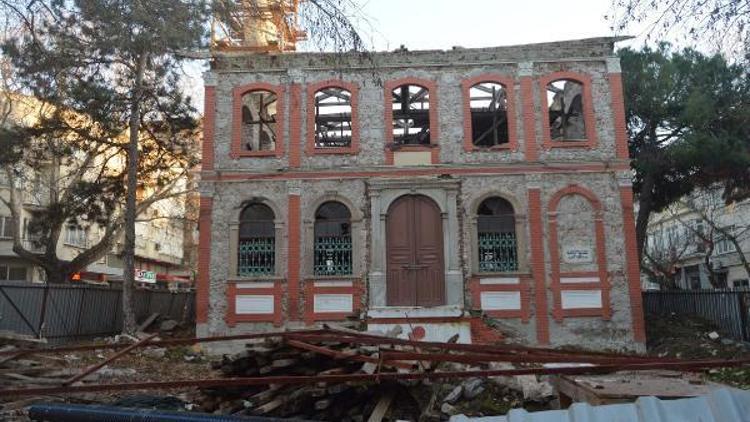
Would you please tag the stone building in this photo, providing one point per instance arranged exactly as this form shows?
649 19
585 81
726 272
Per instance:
484 192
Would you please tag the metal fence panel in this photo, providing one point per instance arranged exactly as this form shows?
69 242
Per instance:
73 312
728 309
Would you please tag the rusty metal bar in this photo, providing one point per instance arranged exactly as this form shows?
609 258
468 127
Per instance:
295 379
161 343
93 368
460 347
391 355
342 355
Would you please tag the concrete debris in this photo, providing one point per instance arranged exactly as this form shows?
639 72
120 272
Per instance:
454 395
154 352
472 388
713 335
449 409
168 325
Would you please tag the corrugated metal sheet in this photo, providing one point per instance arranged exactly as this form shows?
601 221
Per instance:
723 405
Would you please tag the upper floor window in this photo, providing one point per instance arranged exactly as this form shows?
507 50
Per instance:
566 110
75 235
496 234
6 227
259 121
333 118
411 115
257 241
333 240
489 114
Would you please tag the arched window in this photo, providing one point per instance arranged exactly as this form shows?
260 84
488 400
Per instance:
489 114
411 115
257 241
566 117
333 118
259 124
333 240
496 234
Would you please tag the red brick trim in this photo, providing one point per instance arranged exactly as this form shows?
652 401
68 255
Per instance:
537 265
601 259
632 267
237 93
434 124
277 317
509 85
423 171
293 263
295 125
202 290
209 128
523 287
588 111
531 149
618 114
356 290
310 143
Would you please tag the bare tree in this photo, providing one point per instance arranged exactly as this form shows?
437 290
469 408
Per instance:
663 253
723 25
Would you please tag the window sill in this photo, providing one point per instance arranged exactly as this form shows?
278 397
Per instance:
519 274
494 148
410 147
349 277
568 143
242 154
333 151
238 279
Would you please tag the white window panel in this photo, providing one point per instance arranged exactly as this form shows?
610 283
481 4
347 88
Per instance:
501 301
254 304
581 299
333 303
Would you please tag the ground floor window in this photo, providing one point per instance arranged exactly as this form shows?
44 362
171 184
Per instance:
333 240
13 273
257 241
496 235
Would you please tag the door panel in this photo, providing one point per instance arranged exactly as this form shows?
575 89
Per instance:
414 241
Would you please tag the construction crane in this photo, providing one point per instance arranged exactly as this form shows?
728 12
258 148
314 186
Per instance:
256 25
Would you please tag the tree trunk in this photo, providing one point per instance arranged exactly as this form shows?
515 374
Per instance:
645 205
128 282
55 276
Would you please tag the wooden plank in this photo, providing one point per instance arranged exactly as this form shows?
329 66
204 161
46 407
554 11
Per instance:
381 408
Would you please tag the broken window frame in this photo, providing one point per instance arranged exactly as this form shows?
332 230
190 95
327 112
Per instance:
588 113
474 112
265 120
256 241
497 240
551 91
406 120
347 127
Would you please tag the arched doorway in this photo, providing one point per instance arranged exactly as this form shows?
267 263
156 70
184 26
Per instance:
414 257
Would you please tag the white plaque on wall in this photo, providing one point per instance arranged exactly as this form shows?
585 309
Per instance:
333 303
581 299
577 254
254 304
501 301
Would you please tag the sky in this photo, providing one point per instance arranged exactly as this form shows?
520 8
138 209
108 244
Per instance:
442 24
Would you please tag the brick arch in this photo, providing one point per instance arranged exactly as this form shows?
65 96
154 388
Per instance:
431 86
508 83
587 280
236 150
588 110
310 135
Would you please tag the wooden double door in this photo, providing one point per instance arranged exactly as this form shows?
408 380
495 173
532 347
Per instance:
415 271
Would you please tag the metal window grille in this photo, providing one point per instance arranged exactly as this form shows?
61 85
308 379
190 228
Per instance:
257 256
333 255
497 252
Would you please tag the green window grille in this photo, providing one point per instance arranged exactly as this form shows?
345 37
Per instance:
333 255
257 256
498 252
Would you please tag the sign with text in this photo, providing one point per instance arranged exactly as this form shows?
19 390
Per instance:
578 254
143 276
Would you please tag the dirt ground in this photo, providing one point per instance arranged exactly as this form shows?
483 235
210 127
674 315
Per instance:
691 338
